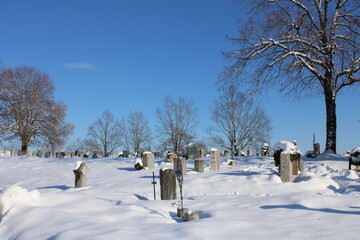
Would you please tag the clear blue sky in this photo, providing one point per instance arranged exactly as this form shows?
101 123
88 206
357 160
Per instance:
126 55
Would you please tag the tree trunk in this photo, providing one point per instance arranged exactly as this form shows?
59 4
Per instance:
24 145
330 121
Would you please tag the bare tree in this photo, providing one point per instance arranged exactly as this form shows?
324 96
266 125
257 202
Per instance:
177 121
237 118
139 134
28 110
299 45
104 134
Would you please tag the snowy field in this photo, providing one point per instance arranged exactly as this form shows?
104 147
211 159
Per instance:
246 201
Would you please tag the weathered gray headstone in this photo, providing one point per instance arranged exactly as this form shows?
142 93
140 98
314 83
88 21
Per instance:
48 154
191 216
81 170
214 159
59 155
316 149
199 165
167 184
148 160
285 167
183 165
125 153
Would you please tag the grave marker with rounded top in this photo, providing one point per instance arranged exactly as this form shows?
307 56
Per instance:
81 171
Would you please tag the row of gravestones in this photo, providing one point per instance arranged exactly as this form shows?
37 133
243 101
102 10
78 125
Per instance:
30 153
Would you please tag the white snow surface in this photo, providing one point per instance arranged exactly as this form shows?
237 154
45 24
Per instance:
246 201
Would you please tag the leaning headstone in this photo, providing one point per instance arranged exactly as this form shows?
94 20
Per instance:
316 149
183 165
193 151
214 159
199 165
167 184
285 167
81 170
148 160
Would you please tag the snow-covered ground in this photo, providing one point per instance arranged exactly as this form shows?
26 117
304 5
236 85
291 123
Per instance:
246 201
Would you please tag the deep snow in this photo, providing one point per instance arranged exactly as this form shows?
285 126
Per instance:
246 201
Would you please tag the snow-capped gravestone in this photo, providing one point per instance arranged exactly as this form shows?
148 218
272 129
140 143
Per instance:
288 157
183 165
139 164
265 151
148 160
81 171
167 184
214 159
199 165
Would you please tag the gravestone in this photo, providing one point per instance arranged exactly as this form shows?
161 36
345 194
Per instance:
316 149
214 159
191 216
148 160
183 165
139 164
167 184
193 151
226 153
7 153
13 152
81 170
59 155
265 149
249 152
202 153
170 157
285 167
199 165
232 162
29 153
48 154
125 153
39 154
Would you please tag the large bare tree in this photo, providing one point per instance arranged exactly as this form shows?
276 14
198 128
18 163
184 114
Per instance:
239 120
104 134
176 122
28 109
299 45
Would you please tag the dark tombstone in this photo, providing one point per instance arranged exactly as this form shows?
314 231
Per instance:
125 153
48 154
95 155
316 149
226 153
81 172
167 184
58 155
